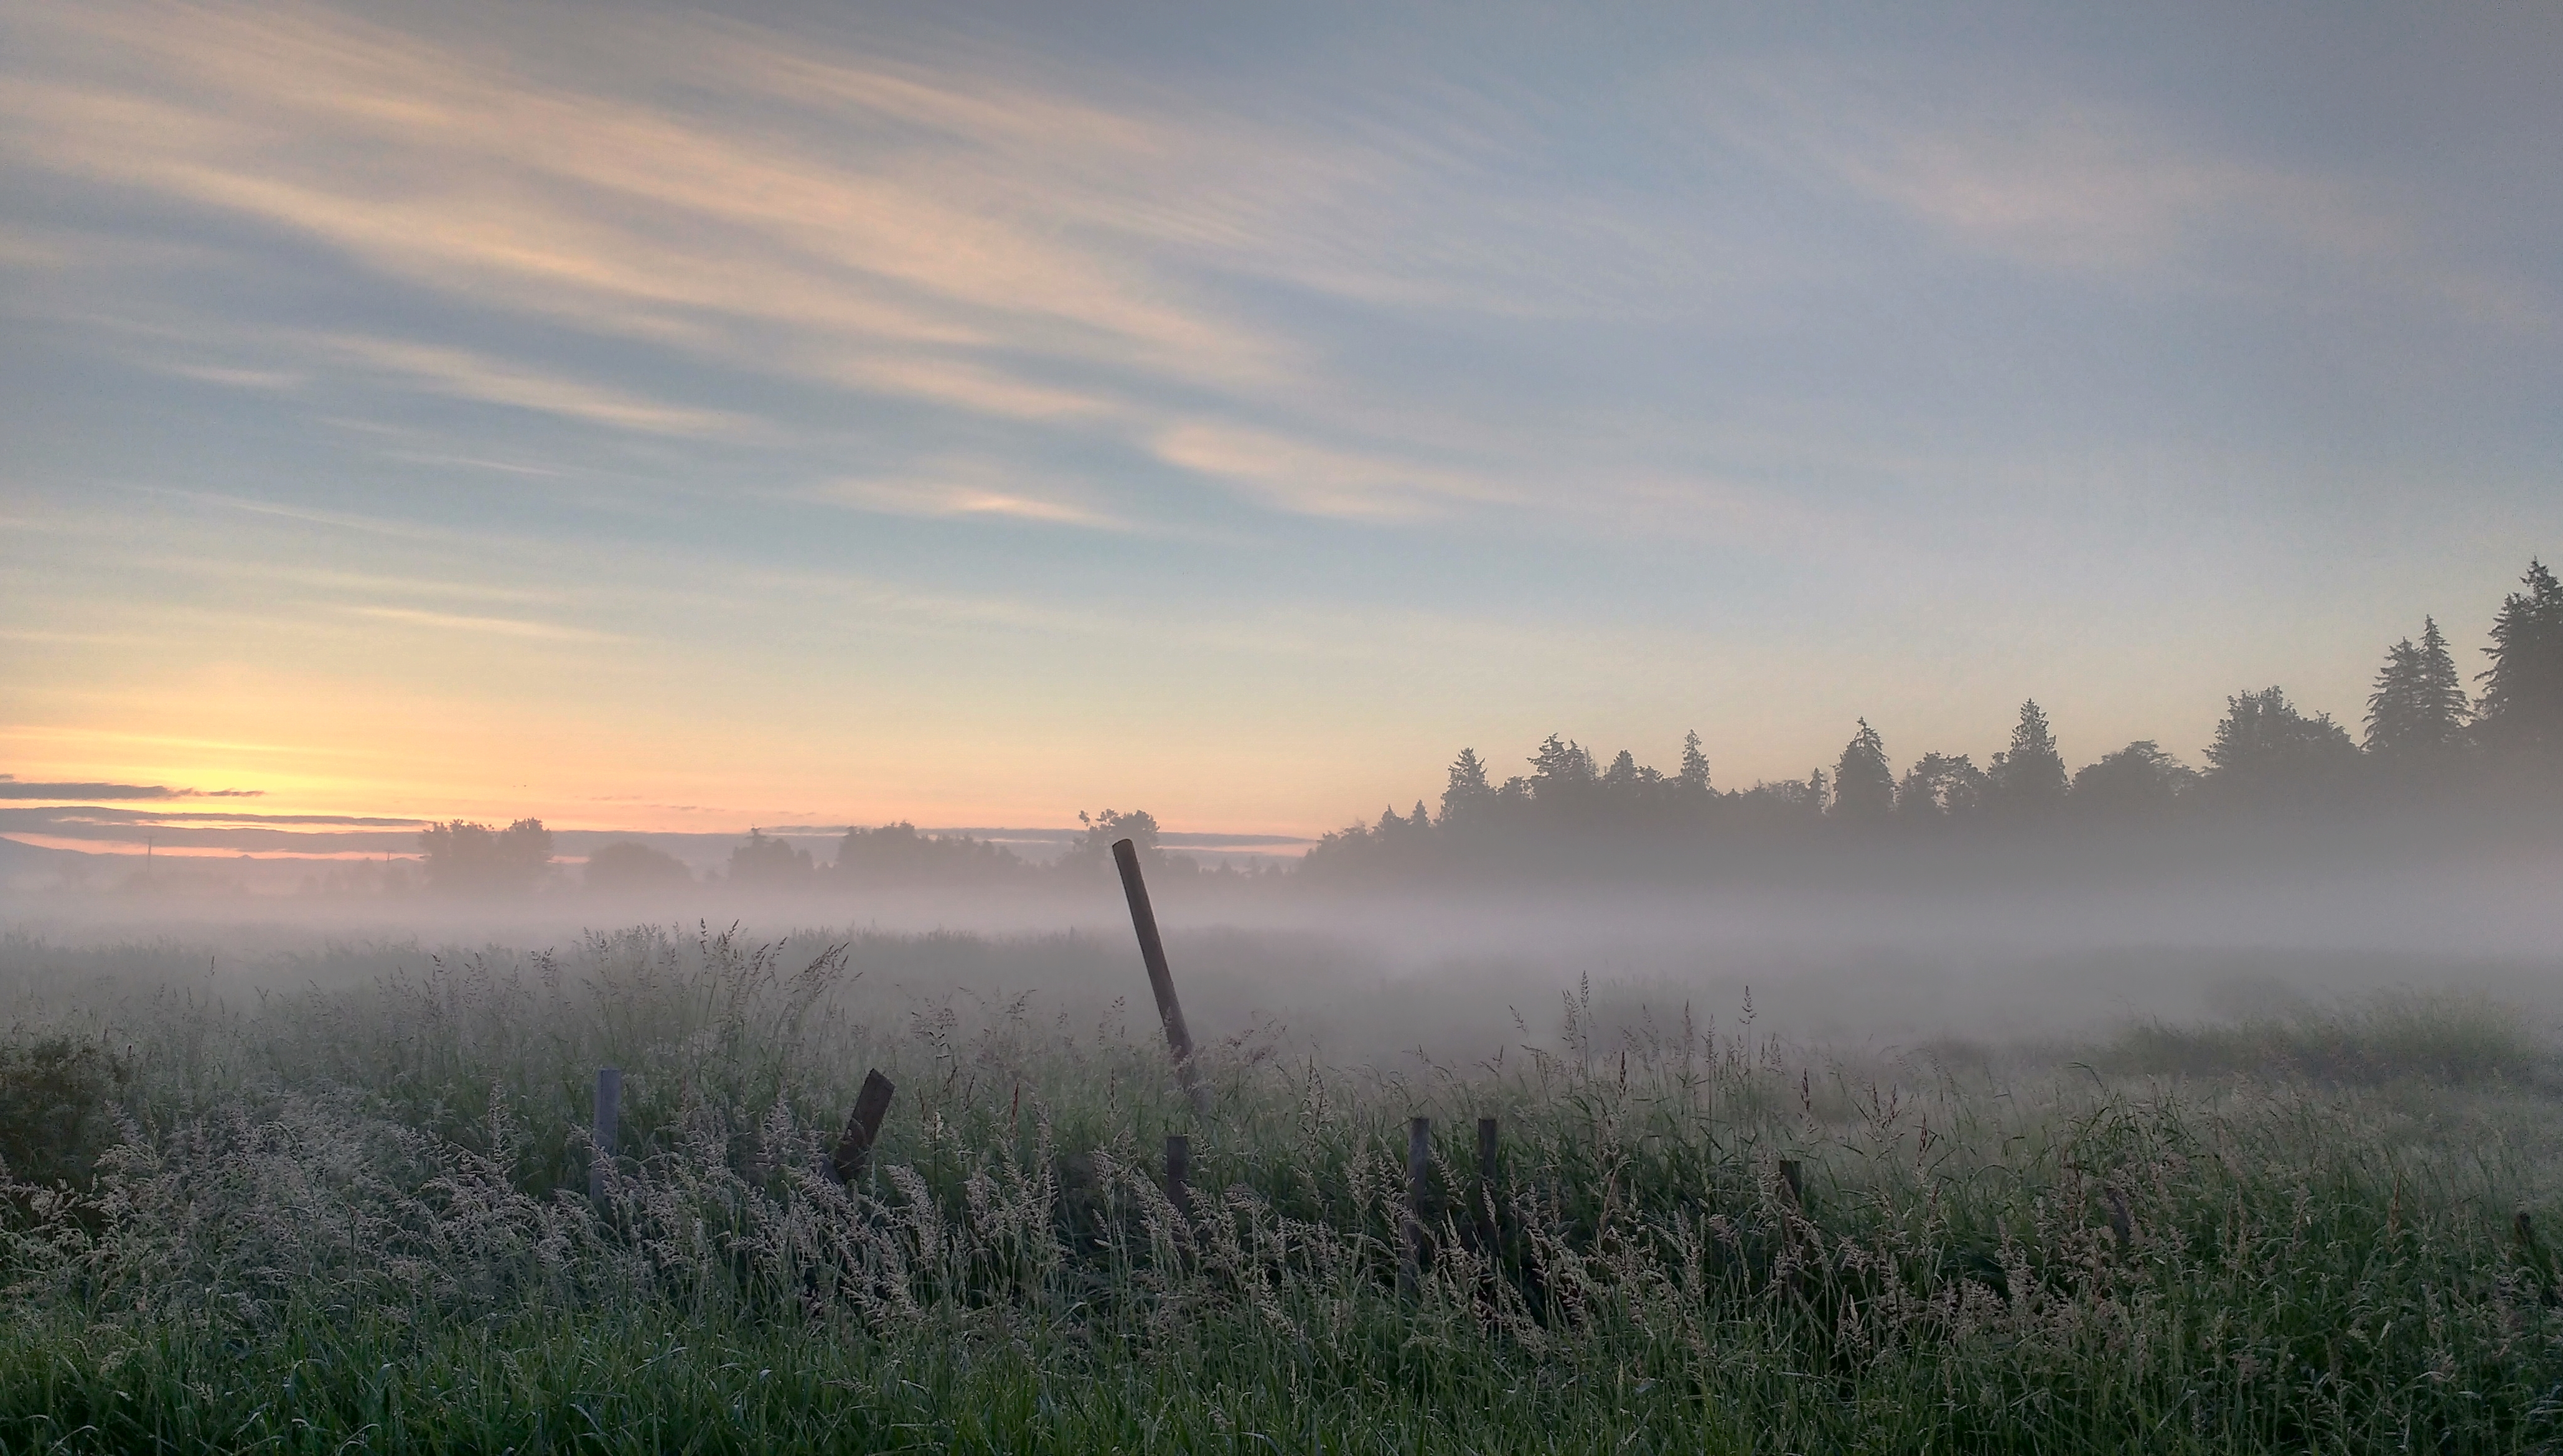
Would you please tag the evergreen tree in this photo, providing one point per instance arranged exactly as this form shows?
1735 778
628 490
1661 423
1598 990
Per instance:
2265 746
1693 781
1562 772
2418 711
1864 785
1467 796
2029 777
2522 699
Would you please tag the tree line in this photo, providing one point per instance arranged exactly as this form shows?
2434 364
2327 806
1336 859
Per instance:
2423 738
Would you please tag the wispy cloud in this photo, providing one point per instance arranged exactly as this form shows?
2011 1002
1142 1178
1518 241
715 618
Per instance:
467 375
493 626
947 500
1313 479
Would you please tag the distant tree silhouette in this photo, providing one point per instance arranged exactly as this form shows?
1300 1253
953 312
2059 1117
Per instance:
897 854
2265 747
1562 772
2139 777
2417 714
1091 852
1692 782
2521 709
1466 797
770 863
1942 786
630 865
474 859
1864 785
2027 778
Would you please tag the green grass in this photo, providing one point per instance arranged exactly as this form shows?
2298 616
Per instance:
353 1217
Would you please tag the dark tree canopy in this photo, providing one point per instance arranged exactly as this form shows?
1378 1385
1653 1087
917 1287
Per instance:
897 854
2029 777
1942 786
1693 779
2265 745
2138 777
469 859
630 865
2418 711
1468 793
1864 785
766 860
2522 699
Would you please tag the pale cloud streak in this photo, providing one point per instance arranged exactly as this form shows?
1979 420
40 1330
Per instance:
508 627
466 375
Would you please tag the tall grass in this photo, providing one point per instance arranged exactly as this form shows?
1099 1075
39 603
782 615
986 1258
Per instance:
358 1217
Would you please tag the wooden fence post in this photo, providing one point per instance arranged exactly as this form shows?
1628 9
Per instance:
609 1111
1794 1178
1419 1189
1152 950
863 1127
1490 1218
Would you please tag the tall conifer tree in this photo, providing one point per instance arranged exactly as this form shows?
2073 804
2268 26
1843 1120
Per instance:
2029 777
2522 699
2418 711
1864 785
1694 769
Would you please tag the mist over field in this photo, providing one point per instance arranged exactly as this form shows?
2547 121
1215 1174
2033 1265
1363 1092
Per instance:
1010 728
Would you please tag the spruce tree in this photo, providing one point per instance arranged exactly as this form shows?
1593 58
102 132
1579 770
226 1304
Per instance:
1864 785
1468 793
2522 700
1694 769
2418 711
2029 777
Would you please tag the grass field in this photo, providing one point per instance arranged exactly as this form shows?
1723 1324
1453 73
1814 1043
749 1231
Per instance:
354 1216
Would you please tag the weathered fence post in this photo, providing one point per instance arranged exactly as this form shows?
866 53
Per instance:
863 1127
1419 1189
1179 1172
609 1111
1795 1180
1152 950
2122 1224
1488 1217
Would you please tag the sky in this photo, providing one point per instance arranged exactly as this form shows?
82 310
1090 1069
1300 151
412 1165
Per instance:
684 420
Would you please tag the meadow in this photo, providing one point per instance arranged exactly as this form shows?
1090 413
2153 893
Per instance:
347 1207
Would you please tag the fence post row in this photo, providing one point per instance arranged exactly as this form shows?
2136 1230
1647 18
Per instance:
1152 950
863 1127
609 1111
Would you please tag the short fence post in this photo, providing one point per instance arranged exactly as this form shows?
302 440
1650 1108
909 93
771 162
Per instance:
1490 1221
609 1111
1794 1178
863 1127
1418 1188
1179 1172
